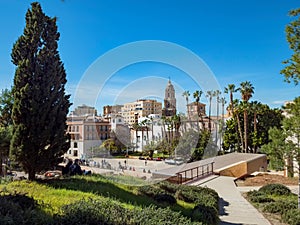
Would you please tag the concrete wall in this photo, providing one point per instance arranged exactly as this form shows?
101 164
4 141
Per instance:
244 168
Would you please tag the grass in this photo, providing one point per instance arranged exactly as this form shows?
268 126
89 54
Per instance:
53 194
59 192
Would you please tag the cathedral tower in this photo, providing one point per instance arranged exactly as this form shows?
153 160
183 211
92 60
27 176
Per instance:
169 101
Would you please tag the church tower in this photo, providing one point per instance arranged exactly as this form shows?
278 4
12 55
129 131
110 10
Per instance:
169 101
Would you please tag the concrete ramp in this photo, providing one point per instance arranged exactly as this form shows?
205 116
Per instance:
232 164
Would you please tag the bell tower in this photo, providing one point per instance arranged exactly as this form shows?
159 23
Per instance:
169 101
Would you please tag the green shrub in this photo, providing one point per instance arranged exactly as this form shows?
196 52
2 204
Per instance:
291 217
92 212
198 195
165 198
280 206
155 216
185 195
18 209
259 197
168 187
275 189
150 190
205 214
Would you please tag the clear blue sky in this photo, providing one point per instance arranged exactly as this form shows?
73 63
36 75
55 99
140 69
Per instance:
238 41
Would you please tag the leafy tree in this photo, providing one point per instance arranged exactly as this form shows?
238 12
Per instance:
258 128
150 148
122 134
230 137
291 71
291 125
5 137
192 144
6 103
276 148
120 140
40 103
111 146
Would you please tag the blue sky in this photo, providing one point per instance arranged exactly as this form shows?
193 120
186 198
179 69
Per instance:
236 40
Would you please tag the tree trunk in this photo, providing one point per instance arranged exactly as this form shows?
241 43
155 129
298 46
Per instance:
31 174
246 131
255 131
1 172
209 114
198 127
240 131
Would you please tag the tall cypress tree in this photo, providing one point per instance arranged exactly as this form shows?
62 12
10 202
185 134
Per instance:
40 104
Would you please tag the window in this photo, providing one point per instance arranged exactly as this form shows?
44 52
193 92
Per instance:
75 145
75 153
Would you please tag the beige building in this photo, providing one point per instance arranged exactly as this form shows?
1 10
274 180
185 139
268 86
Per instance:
131 112
86 133
111 109
84 110
193 109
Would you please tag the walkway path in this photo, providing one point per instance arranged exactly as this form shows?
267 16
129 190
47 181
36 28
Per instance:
234 208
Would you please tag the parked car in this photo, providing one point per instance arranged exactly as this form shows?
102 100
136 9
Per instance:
174 161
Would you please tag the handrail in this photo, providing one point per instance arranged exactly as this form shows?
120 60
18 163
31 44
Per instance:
200 171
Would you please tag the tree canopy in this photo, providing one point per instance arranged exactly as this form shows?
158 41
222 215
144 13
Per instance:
291 71
40 104
260 119
285 141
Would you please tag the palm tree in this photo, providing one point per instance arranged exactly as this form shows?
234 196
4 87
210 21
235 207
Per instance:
236 109
152 132
255 107
197 95
177 123
210 95
246 89
136 127
144 124
233 111
223 102
217 94
230 89
187 94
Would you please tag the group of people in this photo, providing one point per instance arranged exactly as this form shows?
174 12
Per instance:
74 168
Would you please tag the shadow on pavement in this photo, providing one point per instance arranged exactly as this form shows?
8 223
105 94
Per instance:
222 204
228 223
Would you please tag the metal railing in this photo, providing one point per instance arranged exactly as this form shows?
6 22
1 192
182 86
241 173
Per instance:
195 173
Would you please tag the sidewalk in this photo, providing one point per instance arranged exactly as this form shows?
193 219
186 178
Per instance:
234 208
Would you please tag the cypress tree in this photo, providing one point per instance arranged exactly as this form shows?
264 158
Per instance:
40 104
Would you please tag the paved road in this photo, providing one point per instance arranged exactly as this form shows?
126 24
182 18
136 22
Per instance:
234 208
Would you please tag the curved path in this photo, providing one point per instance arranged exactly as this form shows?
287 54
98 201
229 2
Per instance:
234 208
